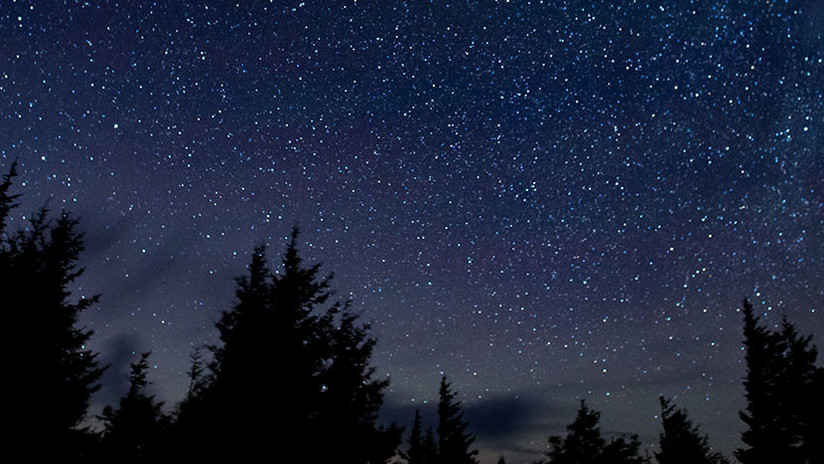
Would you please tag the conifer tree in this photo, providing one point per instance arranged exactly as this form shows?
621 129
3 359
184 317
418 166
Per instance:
188 421
783 415
349 401
7 199
681 442
623 450
414 452
422 447
136 425
454 442
50 373
290 368
429 453
584 444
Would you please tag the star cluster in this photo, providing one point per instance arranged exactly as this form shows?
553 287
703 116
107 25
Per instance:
543 200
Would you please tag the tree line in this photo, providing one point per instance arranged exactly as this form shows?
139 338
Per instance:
290 379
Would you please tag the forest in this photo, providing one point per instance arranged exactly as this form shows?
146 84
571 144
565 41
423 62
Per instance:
290 380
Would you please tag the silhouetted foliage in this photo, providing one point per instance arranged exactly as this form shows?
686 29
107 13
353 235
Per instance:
782 389
289 369
136 425
430 446
195 375
623 450
583 443
454 441
7 199
422 447
186 427
290 379
414 452
49 373
385 446
681 442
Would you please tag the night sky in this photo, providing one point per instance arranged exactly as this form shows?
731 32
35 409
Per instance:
547 201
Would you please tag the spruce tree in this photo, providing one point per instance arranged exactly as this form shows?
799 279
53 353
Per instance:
50 373
623 450
783 412
422 447
454 442
681 442
291 367
7 199
429 453
584 444
415 452
136 425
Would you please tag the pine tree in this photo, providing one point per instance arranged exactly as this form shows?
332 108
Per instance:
583 443
350 396
454 441
623 450
429 453
767 441
136 425
7 200
289 368
422 447
50 372
195 374
681 442
187 425
783 415
415 452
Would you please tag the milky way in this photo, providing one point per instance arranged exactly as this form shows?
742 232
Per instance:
544 201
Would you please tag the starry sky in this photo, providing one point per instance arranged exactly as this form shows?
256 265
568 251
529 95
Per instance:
546 201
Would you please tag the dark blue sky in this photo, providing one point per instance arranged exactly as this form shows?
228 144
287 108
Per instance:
546 201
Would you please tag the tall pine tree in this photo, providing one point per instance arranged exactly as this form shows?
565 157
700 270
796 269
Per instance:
681 442
454 442
422 447
782 390
584 444
291 367
50 373
136 425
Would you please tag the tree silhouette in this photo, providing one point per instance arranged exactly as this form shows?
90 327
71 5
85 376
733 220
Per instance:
186 427
195 374
7 200
583 443
623 450
782 390
136 425
50 373
454 441
415 452
422 447
291 368
681 442
430 446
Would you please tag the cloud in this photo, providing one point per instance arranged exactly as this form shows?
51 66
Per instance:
118 353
